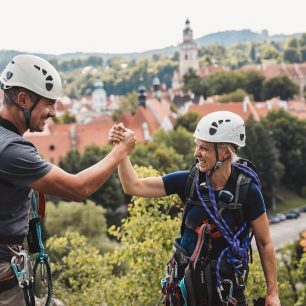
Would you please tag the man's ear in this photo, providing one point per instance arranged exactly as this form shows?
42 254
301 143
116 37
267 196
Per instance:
23 100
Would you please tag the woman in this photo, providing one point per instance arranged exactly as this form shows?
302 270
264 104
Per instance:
223 203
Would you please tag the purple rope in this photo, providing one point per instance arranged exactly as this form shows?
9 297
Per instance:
249 172
237 256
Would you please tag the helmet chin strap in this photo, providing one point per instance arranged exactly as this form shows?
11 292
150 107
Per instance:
218 163
26 112
27 115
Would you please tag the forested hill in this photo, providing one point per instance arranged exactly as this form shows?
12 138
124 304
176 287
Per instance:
223 38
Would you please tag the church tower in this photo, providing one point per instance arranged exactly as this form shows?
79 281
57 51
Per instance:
99 97
188 51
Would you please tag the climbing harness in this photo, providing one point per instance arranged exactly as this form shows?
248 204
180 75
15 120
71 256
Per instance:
237 251
21 262
195 272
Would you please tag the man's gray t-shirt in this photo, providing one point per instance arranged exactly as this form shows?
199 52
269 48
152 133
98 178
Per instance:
20 165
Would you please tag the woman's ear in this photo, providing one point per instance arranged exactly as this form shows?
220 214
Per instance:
226 153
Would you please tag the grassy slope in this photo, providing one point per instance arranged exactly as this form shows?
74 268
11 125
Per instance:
287 200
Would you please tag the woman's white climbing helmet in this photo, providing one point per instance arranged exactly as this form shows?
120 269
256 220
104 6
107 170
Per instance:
33 73
221 126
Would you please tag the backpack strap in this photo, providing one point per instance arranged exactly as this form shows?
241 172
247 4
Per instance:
189 191
191 182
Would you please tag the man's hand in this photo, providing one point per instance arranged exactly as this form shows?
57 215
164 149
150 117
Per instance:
129 141
272 300
116 133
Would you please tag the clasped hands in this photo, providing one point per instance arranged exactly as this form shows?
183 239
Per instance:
120 134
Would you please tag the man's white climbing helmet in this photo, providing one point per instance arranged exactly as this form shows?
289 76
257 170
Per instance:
222 126
34 73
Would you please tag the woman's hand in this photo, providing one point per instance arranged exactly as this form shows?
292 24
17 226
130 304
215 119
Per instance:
272 300
116 133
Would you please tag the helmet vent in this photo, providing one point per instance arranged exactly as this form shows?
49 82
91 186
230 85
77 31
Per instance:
220 121
44 71
9 74
49 78
241 137
49 86
228 120
12 62
212 131
37 67
214 124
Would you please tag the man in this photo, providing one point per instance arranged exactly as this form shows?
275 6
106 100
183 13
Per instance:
31 87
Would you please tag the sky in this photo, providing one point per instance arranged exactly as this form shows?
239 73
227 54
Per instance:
123 26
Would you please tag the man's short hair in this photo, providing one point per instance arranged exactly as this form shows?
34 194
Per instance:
11 94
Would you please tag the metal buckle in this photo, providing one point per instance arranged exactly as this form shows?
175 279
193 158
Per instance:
229 300
23 268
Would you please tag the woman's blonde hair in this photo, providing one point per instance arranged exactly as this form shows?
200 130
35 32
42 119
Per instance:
232 148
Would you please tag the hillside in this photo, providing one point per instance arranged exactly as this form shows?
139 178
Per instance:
225 38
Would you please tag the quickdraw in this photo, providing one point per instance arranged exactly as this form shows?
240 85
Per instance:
170 285
42 258
22 263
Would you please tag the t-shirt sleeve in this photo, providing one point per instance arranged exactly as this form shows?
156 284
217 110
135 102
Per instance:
21 164
255 204
175 183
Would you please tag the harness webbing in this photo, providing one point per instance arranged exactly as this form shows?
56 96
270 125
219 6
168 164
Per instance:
237 256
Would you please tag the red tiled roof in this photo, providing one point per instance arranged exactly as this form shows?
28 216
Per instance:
235 107
51 147
143 114
207 70
90 134
295 71
59 141
63 137
160 108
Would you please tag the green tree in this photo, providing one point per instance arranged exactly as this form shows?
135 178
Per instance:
159 156
303 40
181 141
67 118
86 219
303 54
253 84
79 271
236 96
289 134
280 86
198 86
292 55
110 195
129 104
146 245
188 121
131 274
293 43
71 162
269 168
269 52
224 82
302 272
